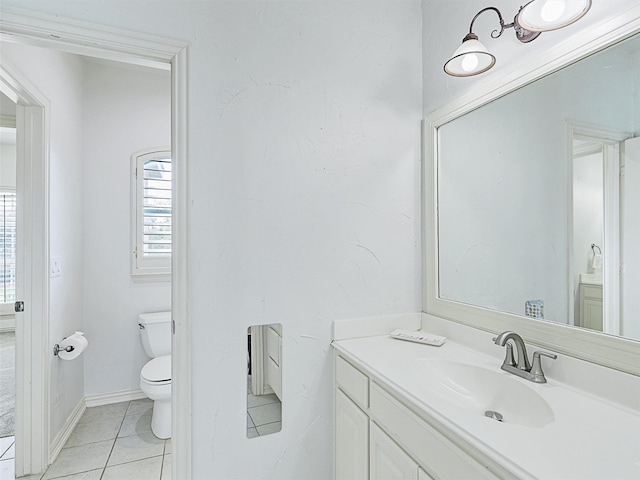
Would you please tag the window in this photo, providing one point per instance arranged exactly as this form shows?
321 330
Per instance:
152 216
7 250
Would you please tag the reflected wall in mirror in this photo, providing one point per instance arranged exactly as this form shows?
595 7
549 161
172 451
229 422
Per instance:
529 182
264 380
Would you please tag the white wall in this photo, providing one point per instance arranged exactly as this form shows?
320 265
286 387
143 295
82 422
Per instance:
588 210
59 77
631 233
8 165
126 109
304 185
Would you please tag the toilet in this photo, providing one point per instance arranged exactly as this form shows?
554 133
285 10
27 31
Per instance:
155 376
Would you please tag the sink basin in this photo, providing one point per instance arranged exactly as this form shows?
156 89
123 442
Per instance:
478 390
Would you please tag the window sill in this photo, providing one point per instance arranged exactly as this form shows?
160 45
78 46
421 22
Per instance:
150 277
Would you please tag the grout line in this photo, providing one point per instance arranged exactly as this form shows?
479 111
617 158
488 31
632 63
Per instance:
3 453
114 441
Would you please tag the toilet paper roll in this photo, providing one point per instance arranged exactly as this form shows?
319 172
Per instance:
79 343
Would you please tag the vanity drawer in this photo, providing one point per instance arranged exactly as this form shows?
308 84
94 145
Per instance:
592 291
429 447
353 382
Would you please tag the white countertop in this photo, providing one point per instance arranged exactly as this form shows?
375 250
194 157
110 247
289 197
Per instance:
589 438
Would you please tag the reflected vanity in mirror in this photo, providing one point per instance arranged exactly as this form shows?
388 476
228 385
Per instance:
264 380
534 219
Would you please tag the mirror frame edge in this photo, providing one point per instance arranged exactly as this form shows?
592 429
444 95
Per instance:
615 352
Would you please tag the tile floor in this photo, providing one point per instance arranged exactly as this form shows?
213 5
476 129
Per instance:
264 413
111 442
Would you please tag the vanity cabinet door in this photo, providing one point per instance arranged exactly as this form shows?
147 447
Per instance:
388 461
351 440
591 306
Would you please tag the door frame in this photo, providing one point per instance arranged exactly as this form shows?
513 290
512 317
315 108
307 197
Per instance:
72 36
32 279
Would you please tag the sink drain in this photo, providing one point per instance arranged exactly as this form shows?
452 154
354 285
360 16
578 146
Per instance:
493 414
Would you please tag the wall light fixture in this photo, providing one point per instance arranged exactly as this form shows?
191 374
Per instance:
537 16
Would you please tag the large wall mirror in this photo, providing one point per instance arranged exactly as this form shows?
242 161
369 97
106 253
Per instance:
534 215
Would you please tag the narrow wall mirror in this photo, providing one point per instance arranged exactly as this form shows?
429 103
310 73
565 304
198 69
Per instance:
264 380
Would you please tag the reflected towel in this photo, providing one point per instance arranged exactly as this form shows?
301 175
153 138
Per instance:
596 261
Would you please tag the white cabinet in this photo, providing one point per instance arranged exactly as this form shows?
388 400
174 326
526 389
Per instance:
591 306
351 440
378 437
388 461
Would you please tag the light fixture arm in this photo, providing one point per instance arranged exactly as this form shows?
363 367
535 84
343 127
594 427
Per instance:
495 33
473 58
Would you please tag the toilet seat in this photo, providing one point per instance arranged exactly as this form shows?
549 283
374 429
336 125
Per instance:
157 371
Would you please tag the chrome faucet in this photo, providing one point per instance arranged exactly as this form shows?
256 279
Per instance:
522 368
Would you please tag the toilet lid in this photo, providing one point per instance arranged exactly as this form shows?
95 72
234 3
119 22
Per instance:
157 370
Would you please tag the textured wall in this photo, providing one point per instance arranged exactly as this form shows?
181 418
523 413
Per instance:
304 185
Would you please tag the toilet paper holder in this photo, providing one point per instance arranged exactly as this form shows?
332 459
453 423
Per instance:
57 349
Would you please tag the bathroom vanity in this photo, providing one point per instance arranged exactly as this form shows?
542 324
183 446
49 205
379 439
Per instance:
412 411
590 298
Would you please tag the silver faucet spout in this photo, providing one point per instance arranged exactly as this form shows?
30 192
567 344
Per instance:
521 350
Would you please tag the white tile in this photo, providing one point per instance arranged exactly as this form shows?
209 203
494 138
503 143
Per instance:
167 446
95 414
90 475
91 432
147 469
166 467
257 400
9 452
7 469
135 425
250 423
252 432
269 428
80 459
266 414
137 447
5 444
140 407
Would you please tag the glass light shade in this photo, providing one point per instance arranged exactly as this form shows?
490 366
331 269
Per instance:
545 15
471 58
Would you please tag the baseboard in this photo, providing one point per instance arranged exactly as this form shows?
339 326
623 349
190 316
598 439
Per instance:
66 431
113 397
7 323
83 404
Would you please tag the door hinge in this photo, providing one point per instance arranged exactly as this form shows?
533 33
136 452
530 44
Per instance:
18 307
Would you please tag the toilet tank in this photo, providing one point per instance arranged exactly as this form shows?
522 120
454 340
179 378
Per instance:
155 331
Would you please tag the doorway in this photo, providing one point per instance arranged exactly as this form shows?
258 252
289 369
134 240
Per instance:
595 228
7 277
33 447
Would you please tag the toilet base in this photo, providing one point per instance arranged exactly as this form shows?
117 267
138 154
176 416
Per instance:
161 419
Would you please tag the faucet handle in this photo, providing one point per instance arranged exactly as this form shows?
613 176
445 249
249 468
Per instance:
536 368
509 359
